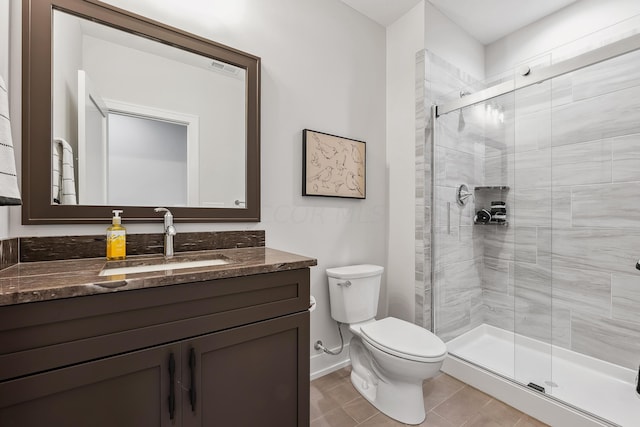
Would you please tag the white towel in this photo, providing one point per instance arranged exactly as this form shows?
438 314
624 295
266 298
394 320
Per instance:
9 192
63 183
56 172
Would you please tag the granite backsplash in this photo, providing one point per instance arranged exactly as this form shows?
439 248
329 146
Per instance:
53 248
8 253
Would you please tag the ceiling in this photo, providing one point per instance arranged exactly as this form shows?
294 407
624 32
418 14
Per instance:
485 20
384 12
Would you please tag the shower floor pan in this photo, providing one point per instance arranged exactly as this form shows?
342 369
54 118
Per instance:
600 388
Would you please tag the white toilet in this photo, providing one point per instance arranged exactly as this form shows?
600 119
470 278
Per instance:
389 357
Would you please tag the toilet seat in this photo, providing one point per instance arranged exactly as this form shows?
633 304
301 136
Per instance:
404 340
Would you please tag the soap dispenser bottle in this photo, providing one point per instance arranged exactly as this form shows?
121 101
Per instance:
116 238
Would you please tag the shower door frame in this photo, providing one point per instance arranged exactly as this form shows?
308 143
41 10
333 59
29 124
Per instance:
530 77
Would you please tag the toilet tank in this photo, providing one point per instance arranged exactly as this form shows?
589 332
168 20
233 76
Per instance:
354 292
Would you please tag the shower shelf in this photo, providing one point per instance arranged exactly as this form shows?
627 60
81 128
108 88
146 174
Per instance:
488 190
492 187
502 224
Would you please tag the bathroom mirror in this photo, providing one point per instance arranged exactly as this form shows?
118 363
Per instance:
124 112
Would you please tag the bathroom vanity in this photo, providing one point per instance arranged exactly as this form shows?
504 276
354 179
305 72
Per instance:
223 345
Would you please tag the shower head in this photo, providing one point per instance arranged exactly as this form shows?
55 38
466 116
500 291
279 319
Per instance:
461 122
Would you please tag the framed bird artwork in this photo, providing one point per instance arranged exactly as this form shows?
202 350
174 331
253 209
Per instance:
333 166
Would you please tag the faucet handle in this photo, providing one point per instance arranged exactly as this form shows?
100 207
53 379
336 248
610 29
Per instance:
168 217
169 231
167 212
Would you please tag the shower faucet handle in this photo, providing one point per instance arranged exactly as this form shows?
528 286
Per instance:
462 194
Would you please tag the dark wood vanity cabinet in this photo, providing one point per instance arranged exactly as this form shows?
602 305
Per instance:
126 390
246 376
228 352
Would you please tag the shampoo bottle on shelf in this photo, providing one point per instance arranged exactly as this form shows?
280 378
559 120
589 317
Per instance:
116 238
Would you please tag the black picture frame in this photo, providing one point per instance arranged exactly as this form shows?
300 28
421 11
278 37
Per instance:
333 166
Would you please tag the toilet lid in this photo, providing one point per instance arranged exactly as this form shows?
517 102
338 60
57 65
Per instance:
404 339
355 271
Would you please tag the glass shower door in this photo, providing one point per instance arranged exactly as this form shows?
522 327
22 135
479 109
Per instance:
595 236
492 263
457 251
531 215
473 240
498 237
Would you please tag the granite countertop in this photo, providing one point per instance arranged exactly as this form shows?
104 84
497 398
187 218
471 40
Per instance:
49 280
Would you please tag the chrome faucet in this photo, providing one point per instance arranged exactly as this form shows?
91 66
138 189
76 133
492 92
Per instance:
169 231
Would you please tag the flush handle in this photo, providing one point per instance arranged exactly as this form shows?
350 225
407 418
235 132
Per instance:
345 284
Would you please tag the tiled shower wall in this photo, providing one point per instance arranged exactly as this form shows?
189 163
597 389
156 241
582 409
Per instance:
423 196
517 266
564 270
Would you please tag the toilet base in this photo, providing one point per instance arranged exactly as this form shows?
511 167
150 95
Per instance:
402 402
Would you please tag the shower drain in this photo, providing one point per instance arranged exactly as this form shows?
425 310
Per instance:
551 384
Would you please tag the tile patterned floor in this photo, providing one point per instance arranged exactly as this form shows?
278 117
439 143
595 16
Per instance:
449 403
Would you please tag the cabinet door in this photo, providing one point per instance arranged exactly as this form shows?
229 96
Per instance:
254 375
129 390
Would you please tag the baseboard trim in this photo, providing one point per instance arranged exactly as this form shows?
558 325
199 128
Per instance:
321 364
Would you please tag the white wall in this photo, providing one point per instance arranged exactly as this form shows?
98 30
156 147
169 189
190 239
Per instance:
576 21
405 37
450 42
323 68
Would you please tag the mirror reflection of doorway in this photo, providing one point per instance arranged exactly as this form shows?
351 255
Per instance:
133 155
147 161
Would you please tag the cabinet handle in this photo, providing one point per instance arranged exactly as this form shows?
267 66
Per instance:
192 390
172 386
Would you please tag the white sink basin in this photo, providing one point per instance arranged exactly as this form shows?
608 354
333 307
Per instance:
162 267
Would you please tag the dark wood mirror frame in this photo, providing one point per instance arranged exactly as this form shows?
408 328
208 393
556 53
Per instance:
37 118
